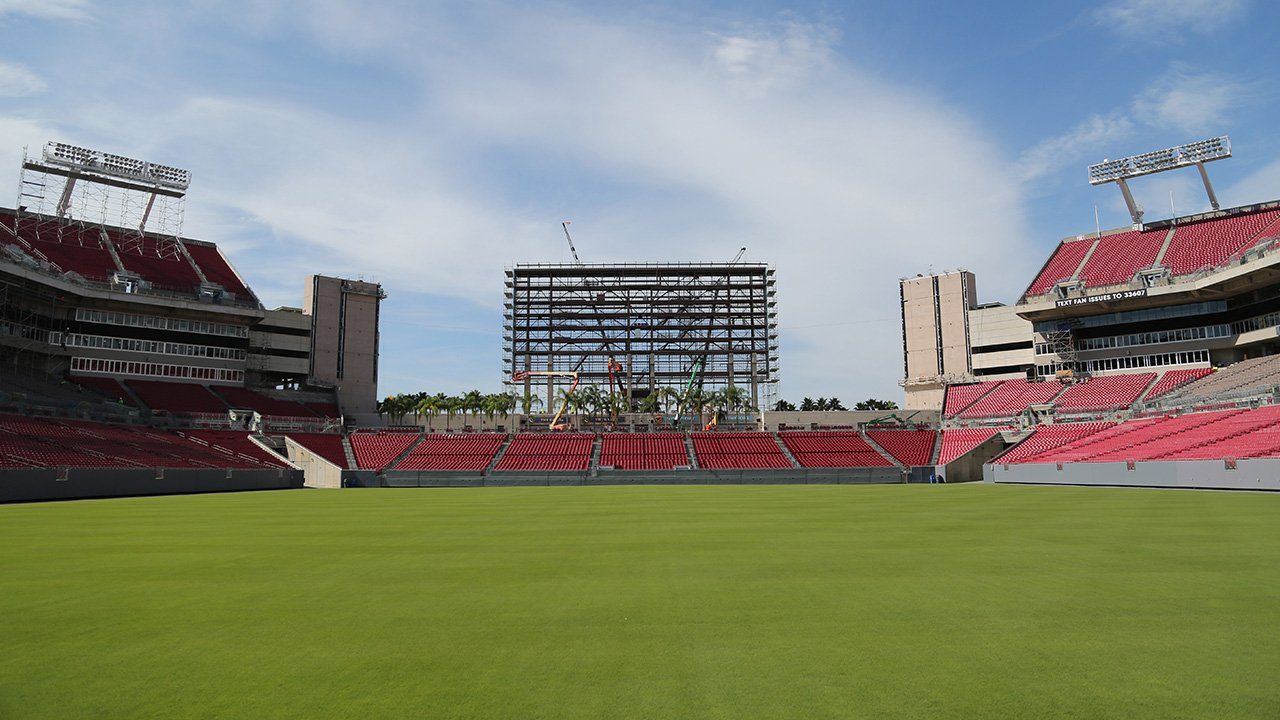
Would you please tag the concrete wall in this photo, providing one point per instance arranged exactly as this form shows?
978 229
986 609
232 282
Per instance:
919 328
1247 475
821 476
956 294
999 325
344 339
317 471
19 485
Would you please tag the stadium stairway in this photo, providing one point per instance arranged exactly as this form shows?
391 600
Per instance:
349 453
396 460
693 455
497 457
785 450
596 444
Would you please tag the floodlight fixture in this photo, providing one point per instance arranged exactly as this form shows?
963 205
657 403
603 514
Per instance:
102 163
1194 153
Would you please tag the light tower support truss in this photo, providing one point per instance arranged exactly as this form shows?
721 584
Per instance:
1196 153
69 188
654 320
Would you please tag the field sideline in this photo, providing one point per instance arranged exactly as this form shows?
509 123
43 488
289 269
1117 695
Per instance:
645 602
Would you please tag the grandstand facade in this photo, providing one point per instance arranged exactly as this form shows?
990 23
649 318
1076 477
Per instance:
647 326
108 313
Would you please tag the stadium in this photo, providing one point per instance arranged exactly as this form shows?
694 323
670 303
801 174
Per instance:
636 527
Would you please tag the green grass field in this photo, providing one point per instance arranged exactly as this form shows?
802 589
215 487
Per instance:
645 602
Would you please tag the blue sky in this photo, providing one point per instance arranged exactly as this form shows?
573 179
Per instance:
848 144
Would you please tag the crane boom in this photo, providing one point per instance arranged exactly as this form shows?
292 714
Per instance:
572 249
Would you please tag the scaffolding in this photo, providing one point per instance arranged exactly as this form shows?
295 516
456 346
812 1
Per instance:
69 194
659 321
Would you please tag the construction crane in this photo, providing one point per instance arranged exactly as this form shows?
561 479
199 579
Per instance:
522 375
736 258
572 249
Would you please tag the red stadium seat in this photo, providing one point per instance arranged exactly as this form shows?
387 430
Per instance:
464 452
644 451
832 449
548 452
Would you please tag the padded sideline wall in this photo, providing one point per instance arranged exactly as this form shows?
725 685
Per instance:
1248 474
43 484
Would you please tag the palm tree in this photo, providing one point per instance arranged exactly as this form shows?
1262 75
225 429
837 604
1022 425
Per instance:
428 405
650 403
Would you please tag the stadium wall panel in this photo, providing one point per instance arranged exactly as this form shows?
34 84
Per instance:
1248 474
26 485
814 476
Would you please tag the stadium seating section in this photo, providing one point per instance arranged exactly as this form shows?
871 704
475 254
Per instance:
644 451
1193 246
243 398
960 397
106 387
326 445
910 447
738 451
1049 437
531 451
1238 433
453 452
831 449
164 267
1173 379
233 442
374 450
216 269
1247 377
1011 398
957 442
1063 264
1104 392
1212 241
81 250
176 397
1117 258
40 442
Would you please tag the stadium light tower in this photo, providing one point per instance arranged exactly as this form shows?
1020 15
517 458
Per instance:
1196 153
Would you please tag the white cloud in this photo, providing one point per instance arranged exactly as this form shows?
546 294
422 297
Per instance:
1160 21
660 142
47 9
1190 102
17 80
1066 150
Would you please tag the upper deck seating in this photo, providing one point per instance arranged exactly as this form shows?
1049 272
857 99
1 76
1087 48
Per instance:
1119 257
1062 265
177 397
1210 242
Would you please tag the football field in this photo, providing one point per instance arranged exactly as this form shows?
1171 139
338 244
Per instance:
645 602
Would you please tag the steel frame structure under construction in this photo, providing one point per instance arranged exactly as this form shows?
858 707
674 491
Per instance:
659 321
